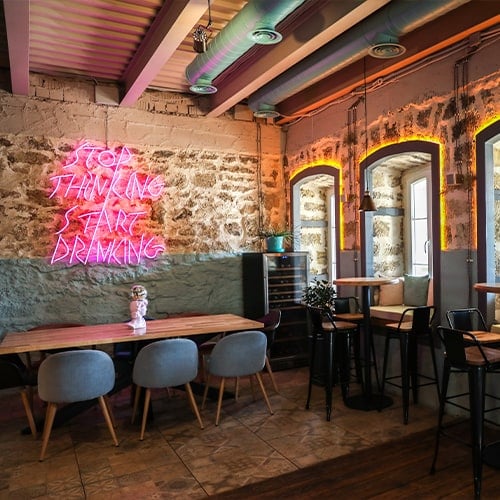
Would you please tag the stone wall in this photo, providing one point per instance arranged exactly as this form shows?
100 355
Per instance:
415 106
314 232
223 179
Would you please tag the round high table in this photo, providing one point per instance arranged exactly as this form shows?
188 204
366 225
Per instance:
491 452
367 400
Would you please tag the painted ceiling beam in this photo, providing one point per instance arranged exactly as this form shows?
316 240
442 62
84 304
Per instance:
172 24
17 19
456 26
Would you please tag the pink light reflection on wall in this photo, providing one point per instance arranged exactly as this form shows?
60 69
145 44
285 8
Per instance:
107 205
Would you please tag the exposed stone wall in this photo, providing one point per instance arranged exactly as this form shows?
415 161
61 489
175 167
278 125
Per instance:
410 108
388 237
313 210
223 178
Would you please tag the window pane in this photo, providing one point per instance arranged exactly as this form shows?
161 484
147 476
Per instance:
419 227
419 240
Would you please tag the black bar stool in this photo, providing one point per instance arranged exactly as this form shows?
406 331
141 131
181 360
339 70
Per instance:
334 359
463 352
415 324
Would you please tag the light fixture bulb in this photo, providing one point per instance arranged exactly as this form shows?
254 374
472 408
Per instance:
367 203
200 39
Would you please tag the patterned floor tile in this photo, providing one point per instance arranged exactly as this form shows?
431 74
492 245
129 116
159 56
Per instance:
177 459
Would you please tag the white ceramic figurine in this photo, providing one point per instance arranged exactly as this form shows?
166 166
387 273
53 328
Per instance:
138 307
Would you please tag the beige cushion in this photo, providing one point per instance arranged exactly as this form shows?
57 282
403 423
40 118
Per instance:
387 313
391 294
495 327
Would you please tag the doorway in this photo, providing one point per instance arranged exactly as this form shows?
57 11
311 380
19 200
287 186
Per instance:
488 216
315 216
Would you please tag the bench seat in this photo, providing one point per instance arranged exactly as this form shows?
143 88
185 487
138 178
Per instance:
388 313
495 328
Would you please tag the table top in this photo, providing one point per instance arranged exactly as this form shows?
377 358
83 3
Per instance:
488 287
365 281
90 335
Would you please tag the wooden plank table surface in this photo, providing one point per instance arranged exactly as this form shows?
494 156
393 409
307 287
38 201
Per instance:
90 335
488 287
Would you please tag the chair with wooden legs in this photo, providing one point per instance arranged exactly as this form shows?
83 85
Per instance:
74 376
240 354
163 364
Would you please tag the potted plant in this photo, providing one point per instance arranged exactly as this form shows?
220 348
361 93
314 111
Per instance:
319 293
276 237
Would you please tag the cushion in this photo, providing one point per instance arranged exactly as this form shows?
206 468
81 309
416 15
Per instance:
415 289
387 313
391 294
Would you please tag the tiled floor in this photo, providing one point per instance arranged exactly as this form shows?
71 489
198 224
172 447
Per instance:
179 460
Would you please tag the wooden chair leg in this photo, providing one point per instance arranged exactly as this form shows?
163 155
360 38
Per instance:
252 387
136 403
110 410
47 428
193 404
147 400
107 416
29 413
29 392
205 392
264 393
219 401
236 388
271 375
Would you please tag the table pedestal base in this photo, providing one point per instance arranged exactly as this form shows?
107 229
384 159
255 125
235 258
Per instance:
491 455
368 403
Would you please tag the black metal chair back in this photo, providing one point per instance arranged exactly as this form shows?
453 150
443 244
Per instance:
423 317
345 305
468 319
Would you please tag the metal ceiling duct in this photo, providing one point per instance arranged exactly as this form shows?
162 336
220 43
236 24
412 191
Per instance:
255 23
395 19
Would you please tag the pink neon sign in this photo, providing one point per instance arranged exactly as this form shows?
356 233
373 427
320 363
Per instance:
107 207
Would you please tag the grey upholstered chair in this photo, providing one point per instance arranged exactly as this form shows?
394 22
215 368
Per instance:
163 364
237 355
73 376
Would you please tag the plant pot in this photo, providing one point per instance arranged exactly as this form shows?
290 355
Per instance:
275 244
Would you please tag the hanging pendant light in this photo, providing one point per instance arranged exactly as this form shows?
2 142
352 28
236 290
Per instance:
367 204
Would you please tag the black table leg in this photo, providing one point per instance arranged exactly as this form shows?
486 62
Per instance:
367 400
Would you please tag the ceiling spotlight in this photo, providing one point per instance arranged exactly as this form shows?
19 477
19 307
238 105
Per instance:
200 38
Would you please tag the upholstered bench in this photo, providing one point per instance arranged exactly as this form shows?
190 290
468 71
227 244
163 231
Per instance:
392 299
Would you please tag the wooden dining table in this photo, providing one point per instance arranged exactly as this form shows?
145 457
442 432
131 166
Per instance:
367 400
111 333
91 336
